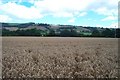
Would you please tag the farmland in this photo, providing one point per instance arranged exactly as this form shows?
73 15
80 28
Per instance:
59 57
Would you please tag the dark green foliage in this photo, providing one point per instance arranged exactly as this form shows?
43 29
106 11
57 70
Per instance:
0 32
43 24
108 33
118 33
62 30
95 33
28 32
63 33
68 33
51 32
8 33
23 25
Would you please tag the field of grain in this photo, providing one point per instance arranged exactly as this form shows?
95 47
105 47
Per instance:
45 57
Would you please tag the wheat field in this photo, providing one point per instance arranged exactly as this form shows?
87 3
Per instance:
59 57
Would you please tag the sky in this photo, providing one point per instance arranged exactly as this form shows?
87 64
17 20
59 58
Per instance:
94 13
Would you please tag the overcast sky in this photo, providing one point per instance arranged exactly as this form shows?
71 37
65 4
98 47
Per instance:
101 13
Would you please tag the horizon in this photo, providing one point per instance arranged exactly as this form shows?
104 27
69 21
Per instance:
64 12
61 24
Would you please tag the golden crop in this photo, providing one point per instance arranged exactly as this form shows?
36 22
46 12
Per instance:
45 57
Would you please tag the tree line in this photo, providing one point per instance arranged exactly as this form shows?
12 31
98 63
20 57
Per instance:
64 33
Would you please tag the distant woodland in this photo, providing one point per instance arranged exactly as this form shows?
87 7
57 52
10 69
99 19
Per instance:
50 30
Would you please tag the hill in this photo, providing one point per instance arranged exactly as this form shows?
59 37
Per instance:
44 29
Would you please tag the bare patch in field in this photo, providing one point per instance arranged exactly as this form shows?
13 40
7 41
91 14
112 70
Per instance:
59 57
